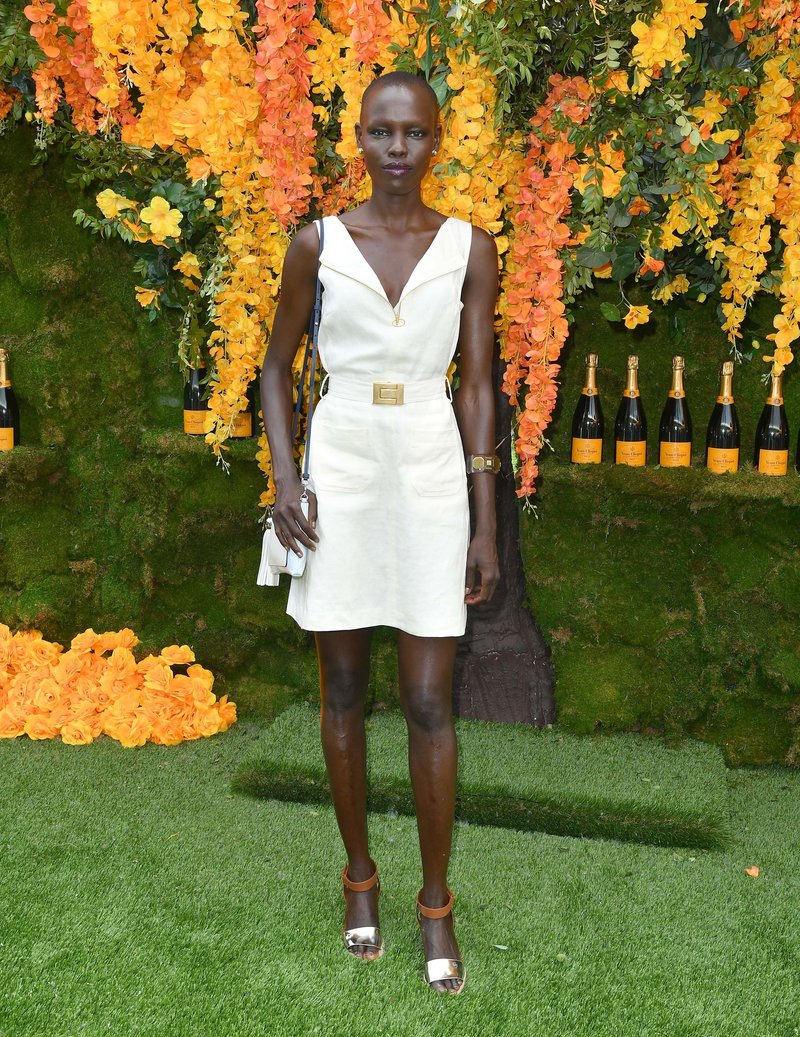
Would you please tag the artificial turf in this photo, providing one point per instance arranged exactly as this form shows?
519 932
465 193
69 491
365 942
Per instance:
139 895
513 776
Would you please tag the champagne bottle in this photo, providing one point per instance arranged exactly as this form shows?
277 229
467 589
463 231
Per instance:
772 435
197 417
9 411
723 436
244 422
675 429
587 421
630 428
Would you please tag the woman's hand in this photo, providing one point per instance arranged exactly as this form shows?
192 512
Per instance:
288 520
482 561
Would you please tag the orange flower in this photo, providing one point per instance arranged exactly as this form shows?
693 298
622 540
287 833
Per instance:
77 732
177 654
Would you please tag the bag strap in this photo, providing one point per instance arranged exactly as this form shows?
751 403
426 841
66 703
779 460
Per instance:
310 360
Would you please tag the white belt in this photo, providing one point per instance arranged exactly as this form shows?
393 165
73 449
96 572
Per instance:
392 393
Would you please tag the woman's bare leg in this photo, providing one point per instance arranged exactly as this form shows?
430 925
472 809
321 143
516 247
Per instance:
426 675
344 675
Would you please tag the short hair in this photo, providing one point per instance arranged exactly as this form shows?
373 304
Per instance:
402 79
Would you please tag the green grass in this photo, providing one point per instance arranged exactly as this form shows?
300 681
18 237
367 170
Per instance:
512 776
139 895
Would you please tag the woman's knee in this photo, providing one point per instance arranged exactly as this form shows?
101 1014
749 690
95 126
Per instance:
428 708
343 691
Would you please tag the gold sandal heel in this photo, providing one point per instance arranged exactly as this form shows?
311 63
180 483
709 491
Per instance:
365 937
439 969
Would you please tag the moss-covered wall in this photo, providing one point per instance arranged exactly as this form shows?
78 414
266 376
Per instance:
669 597
109 515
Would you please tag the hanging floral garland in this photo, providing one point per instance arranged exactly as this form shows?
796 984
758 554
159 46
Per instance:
533 314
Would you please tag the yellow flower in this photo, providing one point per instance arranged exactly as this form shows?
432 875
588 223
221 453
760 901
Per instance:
637 315
146 296
163 221
112 204
189 264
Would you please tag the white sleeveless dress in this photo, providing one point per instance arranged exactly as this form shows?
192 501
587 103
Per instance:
390 477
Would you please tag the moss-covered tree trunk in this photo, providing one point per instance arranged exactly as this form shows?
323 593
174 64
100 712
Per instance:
503 668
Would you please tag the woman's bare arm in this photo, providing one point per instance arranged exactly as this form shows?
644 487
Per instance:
295 305
474 403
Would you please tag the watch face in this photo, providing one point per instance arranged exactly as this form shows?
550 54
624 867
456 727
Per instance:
478 464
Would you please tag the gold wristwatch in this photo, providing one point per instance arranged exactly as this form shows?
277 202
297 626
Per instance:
483 463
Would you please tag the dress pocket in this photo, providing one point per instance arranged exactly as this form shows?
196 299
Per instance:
339 459
436 462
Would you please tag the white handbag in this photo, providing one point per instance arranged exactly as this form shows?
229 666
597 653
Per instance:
275 558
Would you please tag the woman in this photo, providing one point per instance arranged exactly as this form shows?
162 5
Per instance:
388 525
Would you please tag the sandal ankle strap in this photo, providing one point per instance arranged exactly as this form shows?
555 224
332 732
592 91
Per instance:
436 912
360 887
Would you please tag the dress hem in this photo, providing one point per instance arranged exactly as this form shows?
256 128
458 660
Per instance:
322 624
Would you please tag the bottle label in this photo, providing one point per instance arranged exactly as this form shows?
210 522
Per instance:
6 438
774 401
588 392
5 384
587 451
632 394
724 399
773 462
631 453
675 455
197 422
723 459
676 394
242 425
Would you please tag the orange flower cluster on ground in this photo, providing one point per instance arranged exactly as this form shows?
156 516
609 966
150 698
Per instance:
97 687
532 309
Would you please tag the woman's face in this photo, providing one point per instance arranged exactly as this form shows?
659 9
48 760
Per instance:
398 133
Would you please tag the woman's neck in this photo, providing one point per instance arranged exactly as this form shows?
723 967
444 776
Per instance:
396 211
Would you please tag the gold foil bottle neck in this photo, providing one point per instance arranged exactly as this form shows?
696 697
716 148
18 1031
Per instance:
726 383
4 355
677 363
632 380
775 389
676 391
591 360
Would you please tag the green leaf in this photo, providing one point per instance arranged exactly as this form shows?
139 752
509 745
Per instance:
610 311
593 257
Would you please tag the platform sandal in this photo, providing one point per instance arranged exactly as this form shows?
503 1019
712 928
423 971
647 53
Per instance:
439 969
367 937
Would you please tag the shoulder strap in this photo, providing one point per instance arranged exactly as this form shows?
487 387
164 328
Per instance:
310 361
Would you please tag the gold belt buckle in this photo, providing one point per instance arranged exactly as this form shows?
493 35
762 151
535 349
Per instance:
387 392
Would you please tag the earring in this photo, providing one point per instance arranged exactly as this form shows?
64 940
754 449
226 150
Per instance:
360 149
434 151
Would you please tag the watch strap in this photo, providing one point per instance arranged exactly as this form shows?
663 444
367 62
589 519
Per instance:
483 463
